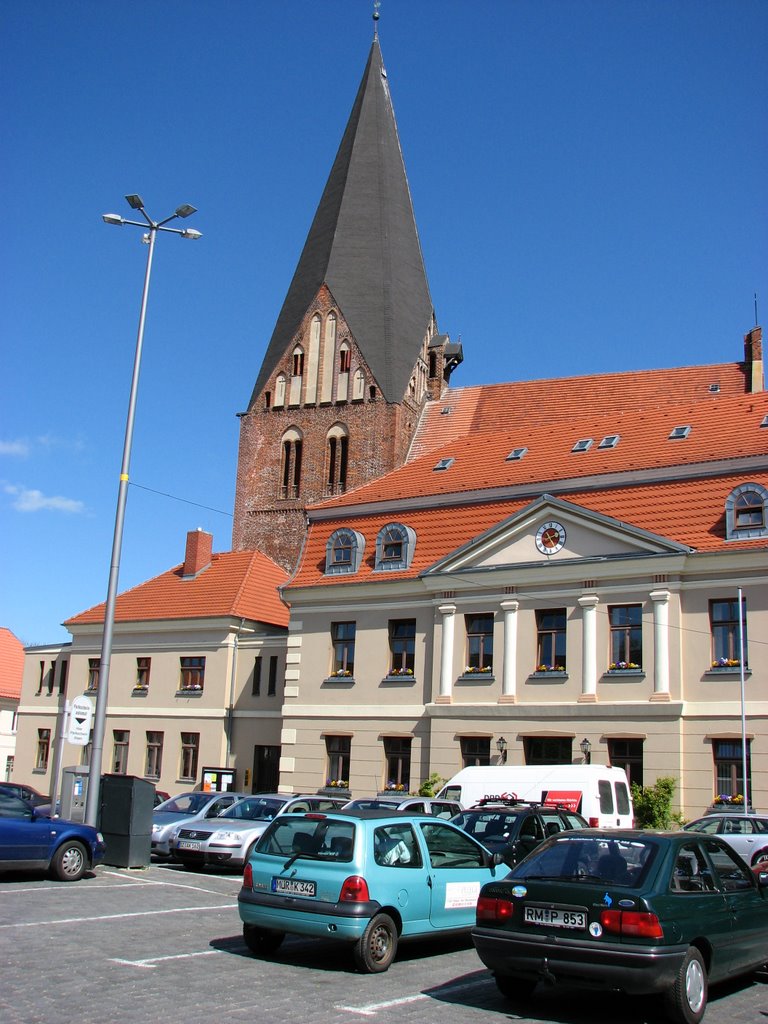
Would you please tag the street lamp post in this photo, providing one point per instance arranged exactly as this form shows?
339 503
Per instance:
136 203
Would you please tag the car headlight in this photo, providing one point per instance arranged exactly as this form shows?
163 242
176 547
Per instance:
226 838
155 829
99 837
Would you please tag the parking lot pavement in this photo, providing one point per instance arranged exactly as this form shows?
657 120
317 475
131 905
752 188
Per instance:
159 943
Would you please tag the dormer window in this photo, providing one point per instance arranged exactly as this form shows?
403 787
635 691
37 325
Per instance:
344 552
679 433
746 512
394 547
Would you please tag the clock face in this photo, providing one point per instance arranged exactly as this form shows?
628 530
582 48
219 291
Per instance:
550 538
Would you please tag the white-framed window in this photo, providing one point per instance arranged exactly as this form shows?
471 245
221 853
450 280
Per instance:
344 552
746 512
395 545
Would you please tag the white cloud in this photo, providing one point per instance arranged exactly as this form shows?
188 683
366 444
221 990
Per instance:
29 500
14 448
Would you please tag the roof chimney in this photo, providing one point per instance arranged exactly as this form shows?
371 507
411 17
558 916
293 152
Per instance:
753 359
198 554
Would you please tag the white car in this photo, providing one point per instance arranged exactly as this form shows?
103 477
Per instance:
229 839
182 808
746 833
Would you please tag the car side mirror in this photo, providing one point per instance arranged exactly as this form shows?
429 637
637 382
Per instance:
497 858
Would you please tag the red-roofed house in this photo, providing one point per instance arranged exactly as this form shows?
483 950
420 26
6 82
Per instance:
11 669
198 660
529 580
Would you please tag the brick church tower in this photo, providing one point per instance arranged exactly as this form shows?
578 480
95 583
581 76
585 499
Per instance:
355 353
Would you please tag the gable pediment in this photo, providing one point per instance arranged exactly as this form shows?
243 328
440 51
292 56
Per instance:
549 530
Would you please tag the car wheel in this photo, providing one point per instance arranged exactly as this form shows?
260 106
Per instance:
69 862
687 999
260 941
760 855
515 989
375 950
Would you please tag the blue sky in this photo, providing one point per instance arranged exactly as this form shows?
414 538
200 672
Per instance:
589 184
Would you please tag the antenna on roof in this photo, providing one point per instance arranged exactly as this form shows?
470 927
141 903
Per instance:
376 6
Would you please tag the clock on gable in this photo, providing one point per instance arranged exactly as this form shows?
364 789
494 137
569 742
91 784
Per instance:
550 538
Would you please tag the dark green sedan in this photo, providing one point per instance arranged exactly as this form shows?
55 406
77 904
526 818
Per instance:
640 912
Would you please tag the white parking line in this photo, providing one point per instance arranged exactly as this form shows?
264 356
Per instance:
151 962
373 1008
176 885
112 917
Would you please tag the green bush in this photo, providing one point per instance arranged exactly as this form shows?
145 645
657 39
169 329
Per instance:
431 785
653 804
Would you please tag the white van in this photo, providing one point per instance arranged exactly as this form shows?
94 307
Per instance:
599 793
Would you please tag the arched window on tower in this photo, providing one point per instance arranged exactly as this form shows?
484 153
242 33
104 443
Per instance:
280 391
345 360
329 358
290 464
297 375
358 386
336 459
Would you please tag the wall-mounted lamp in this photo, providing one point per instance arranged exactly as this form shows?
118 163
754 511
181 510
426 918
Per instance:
586 747
501 746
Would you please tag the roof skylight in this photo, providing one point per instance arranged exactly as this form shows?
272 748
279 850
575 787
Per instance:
582 446
516 454
443 464
679 433
610 441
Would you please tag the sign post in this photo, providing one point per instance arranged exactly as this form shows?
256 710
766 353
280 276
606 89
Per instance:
80 721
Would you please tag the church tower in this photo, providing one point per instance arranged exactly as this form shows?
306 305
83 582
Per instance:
355 353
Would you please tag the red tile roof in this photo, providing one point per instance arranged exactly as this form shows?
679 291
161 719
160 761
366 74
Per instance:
237 583
490 407
11 664
689 512
722 428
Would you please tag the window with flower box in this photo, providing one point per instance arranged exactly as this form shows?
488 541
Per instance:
142 673
550 643
397 754
729 770
626 628
343 642
402 646
479 630
726 641
192 673
338 760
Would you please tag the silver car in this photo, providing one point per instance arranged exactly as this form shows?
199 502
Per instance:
746 833
229 839
405 803
185 807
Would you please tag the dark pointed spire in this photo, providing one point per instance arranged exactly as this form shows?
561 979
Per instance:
364 246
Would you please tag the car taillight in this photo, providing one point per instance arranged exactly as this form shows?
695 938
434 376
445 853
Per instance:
594 823
631 922
490 908
354 890
248 877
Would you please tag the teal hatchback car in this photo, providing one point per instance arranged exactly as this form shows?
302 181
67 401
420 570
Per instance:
366 878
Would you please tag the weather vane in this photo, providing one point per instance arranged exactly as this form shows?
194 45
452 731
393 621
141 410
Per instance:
376 6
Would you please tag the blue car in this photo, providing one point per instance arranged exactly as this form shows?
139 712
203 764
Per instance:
31 840
365 878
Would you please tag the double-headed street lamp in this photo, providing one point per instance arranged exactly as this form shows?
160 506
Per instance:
136 203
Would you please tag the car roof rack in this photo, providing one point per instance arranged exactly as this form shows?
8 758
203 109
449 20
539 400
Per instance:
508 801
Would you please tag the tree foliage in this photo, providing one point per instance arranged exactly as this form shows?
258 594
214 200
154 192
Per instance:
653 804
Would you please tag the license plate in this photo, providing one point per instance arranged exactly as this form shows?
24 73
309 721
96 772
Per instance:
188 844
555 917
294 887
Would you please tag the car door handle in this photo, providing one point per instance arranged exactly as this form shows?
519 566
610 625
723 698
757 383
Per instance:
429 881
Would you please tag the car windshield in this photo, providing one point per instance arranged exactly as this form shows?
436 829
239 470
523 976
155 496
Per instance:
485 825
317 838
573 857
254 809
186 803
